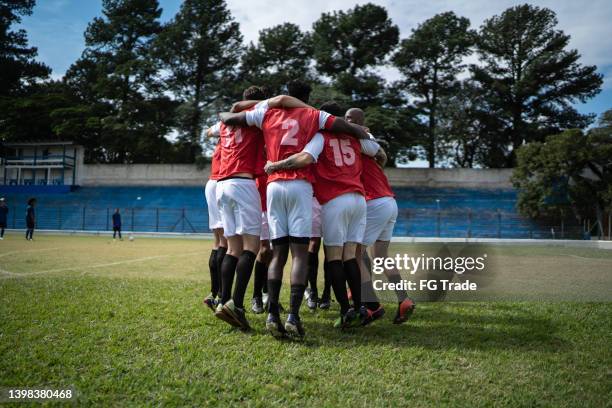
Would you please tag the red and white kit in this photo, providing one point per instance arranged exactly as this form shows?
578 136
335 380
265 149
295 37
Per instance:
210 191
289 192
237 194
338 185
380 201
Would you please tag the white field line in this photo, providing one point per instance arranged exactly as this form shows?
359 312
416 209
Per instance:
27 250
103 265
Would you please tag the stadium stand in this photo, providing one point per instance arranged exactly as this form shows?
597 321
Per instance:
424 212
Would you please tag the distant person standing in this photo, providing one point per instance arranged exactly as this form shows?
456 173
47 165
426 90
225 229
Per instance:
117 224
30 219
3 217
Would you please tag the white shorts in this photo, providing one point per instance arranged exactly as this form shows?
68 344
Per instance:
344 219
380 220
265 230
214 216
316 218
289 205
240 207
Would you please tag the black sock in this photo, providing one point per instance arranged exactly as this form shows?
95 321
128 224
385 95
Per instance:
338 282
1 232
368 295
212 268
228 269
313 271
297 295
274 287
327 282
353 276
220 255
243 275
261 274
396 279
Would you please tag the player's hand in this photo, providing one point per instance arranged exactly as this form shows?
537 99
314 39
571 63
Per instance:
269 167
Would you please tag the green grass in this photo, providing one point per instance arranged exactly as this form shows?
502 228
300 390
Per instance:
123 323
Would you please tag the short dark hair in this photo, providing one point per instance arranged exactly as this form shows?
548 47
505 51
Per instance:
31 201
253 93
333 107
299 89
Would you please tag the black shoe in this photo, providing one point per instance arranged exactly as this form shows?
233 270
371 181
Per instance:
257 305
325 304
275 327
294 327
237 314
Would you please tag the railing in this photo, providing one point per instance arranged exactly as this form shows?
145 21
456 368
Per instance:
410 222
39 160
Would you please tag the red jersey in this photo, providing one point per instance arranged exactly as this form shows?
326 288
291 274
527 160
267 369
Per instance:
338 169
374 180
241 148
215 163
286 132
262 186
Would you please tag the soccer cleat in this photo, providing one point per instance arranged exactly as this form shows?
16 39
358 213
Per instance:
257 305
237 314
325 304
294 327
369 316
221 314
275 327
349 319
404 311
210 302
311 302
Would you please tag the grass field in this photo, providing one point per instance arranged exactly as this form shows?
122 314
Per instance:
124 324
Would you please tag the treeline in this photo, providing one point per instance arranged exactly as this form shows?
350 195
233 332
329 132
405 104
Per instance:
139 81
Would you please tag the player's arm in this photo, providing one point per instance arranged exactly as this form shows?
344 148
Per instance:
381 157
286 102
342 126
233 119
243 105
214 131
307 156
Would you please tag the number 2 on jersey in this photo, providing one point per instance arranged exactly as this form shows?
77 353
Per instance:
292 127
344 154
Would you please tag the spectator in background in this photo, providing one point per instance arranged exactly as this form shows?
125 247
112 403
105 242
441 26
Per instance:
3 217
117 224
30 219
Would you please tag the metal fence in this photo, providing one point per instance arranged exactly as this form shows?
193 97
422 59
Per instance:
411 222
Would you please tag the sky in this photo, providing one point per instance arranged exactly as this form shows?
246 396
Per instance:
56 26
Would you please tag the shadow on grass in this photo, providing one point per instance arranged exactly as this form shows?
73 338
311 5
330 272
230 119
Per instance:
436 328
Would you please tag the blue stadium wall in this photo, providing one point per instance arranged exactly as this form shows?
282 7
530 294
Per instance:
423 211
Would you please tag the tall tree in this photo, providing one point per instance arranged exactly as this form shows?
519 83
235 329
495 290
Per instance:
531 77
281 54
430 60
19 69
348 45
200 49
118 71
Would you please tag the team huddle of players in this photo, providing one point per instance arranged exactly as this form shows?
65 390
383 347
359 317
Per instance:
284 175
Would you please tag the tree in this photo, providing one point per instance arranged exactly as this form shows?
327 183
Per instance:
348 45
430 60
282 53
569 173
200 49
531 77
117 73
19 69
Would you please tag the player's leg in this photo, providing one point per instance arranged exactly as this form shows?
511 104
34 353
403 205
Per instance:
261 275
279 238
356 221
119 231
313 267
299 223
325 301
214 260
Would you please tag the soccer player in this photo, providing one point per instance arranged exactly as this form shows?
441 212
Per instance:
381 217
117 224
30 219
3 217
339 190
288 124
216 226
239 202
